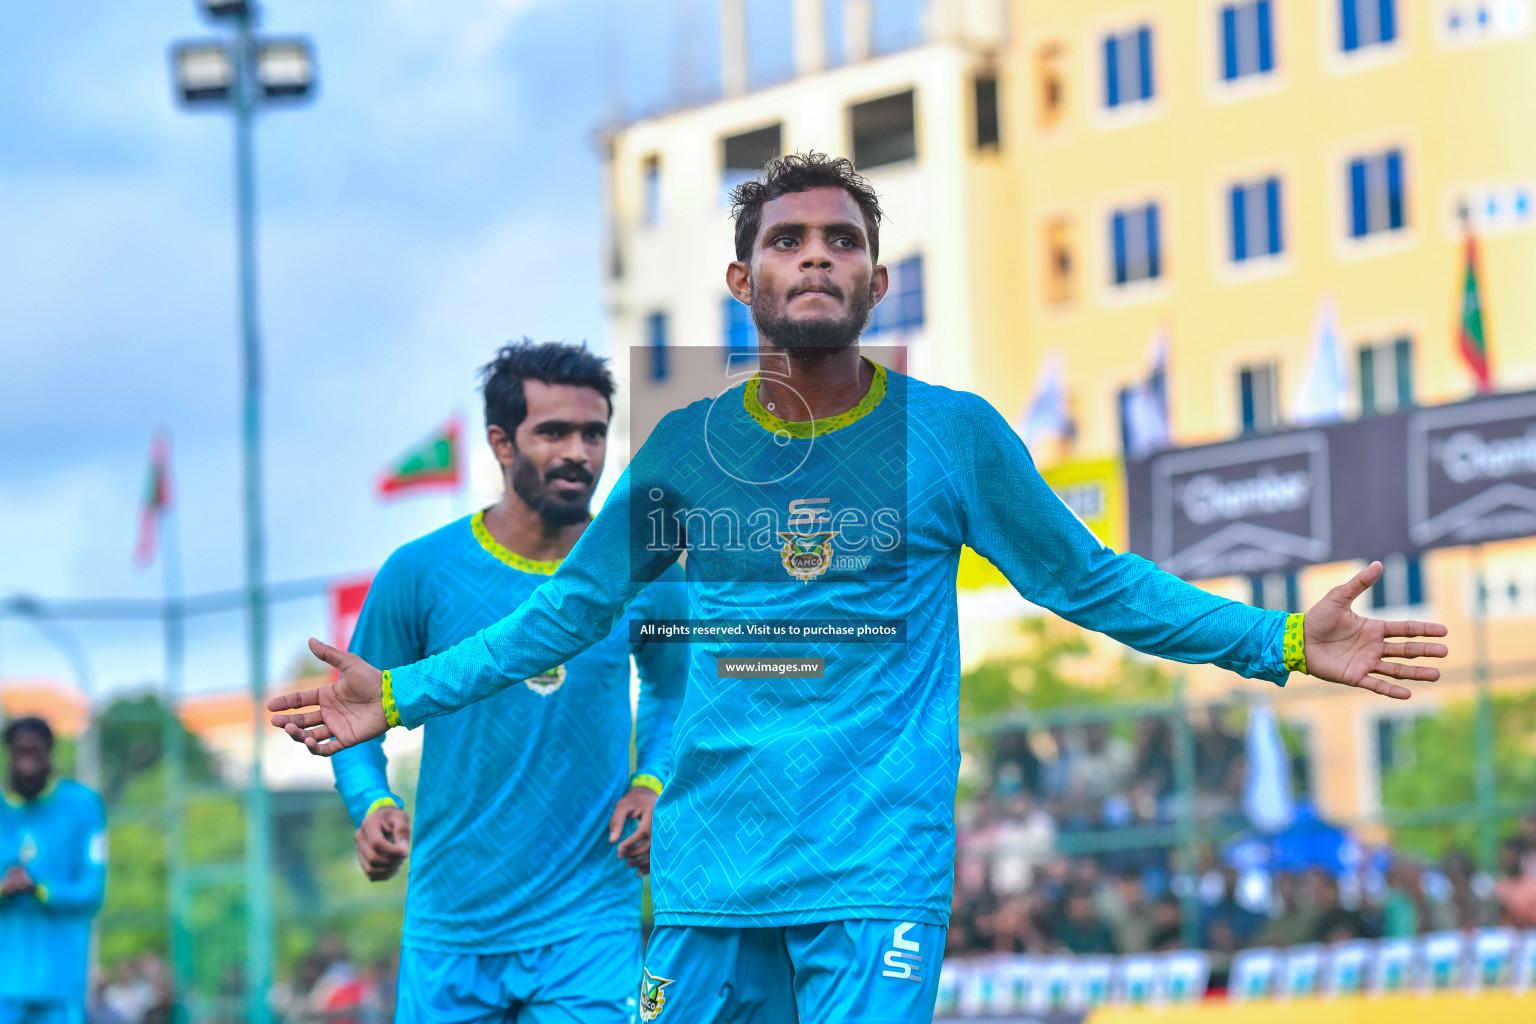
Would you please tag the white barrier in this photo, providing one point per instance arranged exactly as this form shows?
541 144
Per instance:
1003 984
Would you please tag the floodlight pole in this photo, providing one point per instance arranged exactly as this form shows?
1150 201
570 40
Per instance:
258 809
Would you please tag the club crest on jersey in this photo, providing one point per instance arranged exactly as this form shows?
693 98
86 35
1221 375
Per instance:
807 552
652 998
546 683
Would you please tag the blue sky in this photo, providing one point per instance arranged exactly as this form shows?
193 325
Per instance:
441 195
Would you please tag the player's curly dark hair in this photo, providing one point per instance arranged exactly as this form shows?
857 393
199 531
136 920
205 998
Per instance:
552 362
29 724
801 172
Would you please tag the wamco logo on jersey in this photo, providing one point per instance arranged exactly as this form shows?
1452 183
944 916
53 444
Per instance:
804 546
904 959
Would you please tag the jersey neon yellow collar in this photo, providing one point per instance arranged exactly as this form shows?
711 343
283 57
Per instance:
815 428
504 554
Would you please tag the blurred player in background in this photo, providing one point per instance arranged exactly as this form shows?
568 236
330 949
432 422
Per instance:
53 855
805 845
519 907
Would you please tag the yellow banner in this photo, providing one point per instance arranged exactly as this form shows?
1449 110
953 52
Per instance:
1092 488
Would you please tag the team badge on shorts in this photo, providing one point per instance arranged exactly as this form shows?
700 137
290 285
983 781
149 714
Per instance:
652 998
547 683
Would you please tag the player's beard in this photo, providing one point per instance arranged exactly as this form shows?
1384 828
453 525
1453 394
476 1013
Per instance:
555 509
812 332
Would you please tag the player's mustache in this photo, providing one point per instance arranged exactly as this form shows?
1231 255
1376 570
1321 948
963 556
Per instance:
824 287
575 474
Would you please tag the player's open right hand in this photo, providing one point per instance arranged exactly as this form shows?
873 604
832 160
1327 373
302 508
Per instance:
350 710
383 842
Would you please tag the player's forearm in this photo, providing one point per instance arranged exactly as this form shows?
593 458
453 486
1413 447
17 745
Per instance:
362 778
654 720
1133 601
74 895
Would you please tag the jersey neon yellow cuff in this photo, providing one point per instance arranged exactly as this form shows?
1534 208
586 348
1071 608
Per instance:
650 782
391 713
41 892
1296 643
383 801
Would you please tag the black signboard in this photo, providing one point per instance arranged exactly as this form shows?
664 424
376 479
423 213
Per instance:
1426 478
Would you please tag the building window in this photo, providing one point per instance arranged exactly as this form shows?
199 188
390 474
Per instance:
1401 584
1386 377
1366 23
1128 67
1258 396
1276 591
740 332
902 309
656 341
1136 243
1254 209
988 130
743 157
1052 83
1060 267
1247 39
1378 200
884 130
650 199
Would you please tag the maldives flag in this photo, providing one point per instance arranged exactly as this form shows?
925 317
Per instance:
433 465
157 499
1473 342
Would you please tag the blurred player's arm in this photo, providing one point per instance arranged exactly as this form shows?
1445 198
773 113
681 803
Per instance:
577 607
82 891
1010 515
663 669
388 632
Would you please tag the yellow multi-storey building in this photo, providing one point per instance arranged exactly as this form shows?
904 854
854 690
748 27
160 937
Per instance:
1068 180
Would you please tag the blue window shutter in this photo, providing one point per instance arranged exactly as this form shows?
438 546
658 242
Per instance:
1154 249
1229 41
1144 44
912 292
657 329
1358 207
1272 209
1402 352
1396 204
1245 389
1388 20
1111 71
1266 36
1415 579
1239 226
1351 24
1118 228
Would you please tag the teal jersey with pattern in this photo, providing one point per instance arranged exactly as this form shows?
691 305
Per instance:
510 846
797 800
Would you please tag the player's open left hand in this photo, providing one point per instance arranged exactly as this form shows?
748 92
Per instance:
639 802
1343 647
349 711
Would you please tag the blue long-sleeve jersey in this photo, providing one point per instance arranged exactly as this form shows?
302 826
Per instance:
510 848
797 800
45 935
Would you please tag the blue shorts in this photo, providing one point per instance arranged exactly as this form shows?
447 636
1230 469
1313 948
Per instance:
836 972
586 980
43 1011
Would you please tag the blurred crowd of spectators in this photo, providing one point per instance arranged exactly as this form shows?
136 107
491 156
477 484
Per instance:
1015 892
328 988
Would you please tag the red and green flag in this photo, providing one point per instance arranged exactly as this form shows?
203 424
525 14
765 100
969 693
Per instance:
1470 334
156 500
433 465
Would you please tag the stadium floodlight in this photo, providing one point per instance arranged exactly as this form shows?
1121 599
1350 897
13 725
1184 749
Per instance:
285 68
205 72
226 8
